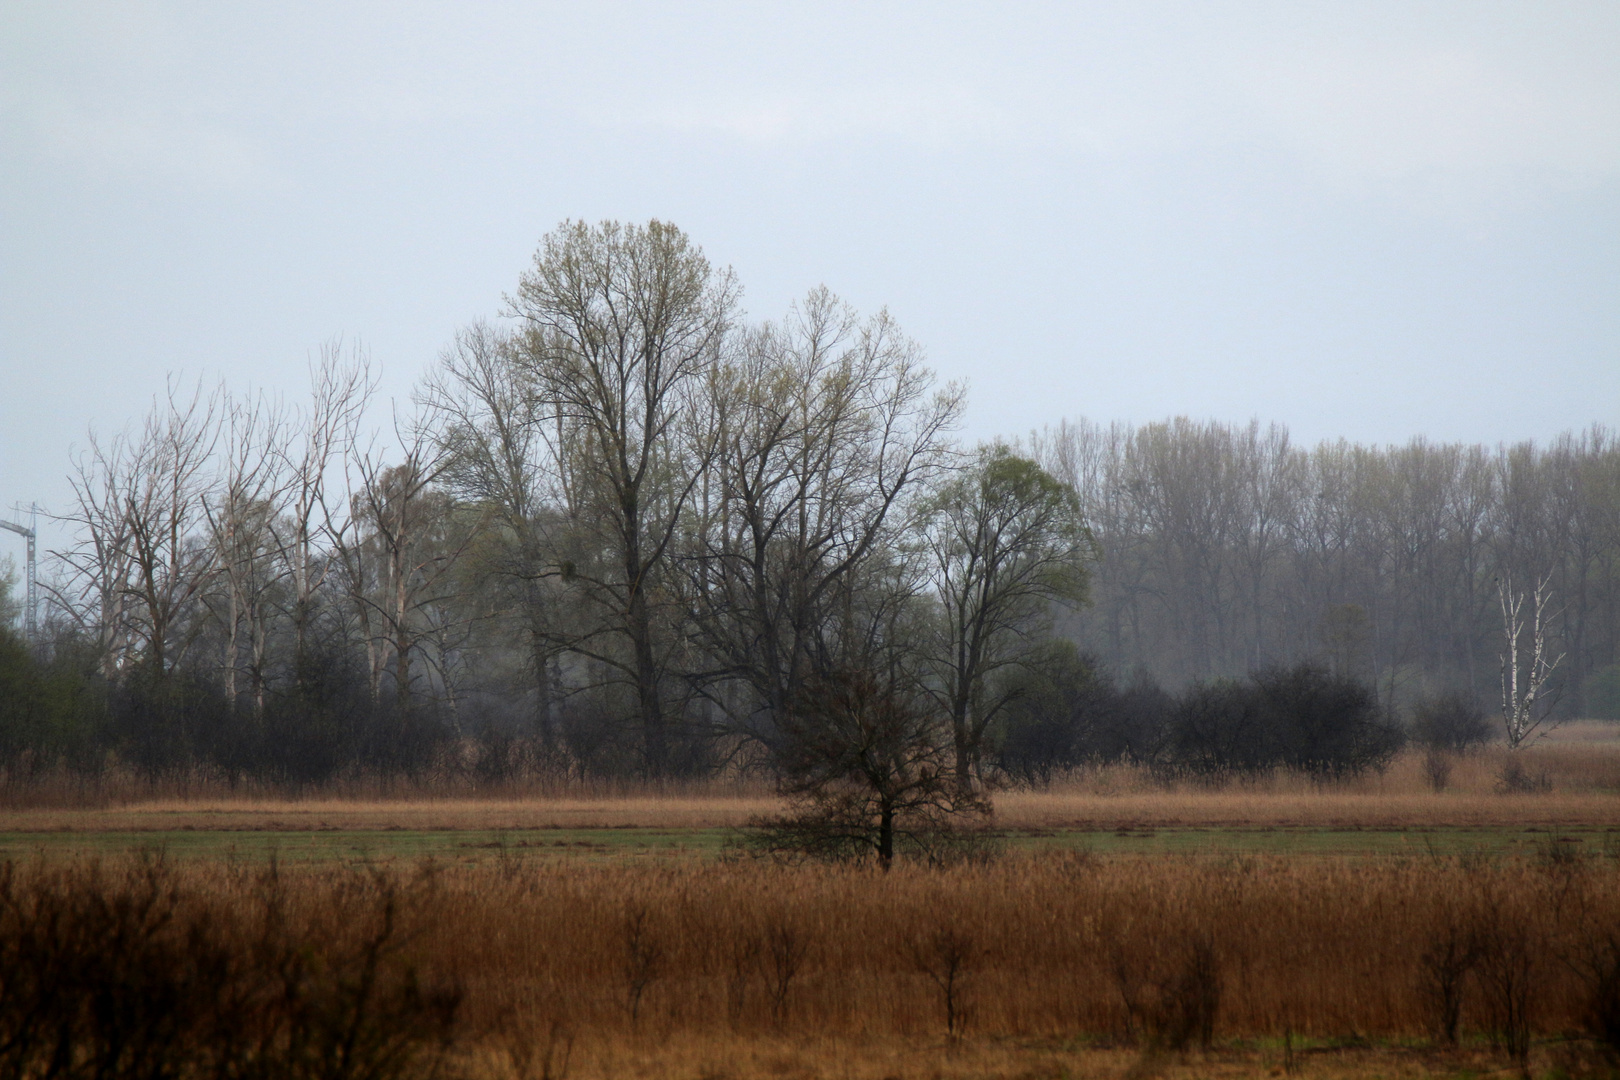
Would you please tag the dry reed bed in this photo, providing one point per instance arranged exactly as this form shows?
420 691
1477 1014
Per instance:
615 965
1043 946
1233 806
715 809
1582 773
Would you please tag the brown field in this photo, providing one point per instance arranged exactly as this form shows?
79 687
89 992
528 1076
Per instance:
1058 961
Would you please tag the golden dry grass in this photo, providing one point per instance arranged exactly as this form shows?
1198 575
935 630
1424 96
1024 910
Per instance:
1072 964
741 1057
705 810
1069 964
1581 763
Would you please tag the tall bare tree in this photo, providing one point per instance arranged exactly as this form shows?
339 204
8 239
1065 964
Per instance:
163 502
398 551
828 424
621 325
241 513
319 451
97 588
492 429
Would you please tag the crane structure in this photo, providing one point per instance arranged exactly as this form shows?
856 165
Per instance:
30 629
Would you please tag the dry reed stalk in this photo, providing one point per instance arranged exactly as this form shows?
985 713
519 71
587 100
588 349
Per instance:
788 1057
704 811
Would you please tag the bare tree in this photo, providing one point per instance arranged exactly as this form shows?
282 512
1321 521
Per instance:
491 430
621 323
1525 708
241 517
866 765
827 424
323 442
98 564
163 502
402 527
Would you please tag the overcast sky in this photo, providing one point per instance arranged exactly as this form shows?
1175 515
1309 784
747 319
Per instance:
1369 220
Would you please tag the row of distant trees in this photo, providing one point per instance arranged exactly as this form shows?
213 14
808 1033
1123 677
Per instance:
627 530
1228 548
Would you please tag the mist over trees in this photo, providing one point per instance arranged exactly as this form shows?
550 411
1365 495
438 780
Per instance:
626 531
1227 548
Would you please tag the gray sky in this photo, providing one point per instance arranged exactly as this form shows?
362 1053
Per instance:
1364 219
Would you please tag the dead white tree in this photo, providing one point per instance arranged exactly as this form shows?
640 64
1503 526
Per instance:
1525 709
166 481
319 450
241 511
399 545
99 567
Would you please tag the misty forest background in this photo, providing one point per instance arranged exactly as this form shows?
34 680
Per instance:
626 531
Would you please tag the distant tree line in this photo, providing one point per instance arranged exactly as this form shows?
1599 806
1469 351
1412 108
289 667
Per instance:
1228 548
627 531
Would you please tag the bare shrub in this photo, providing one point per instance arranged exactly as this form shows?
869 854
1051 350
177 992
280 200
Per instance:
1437 769
947 955
1443 966
125 974
1510 975
1515 779
1173 994
1453 721
784 953
1592 951
643 955
538 1054
745 954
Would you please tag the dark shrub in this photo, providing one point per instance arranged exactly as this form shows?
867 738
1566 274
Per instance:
1218 727
1064 711
1302 717
1452 721
164 722
50 711
1325 723
1054 711
310 732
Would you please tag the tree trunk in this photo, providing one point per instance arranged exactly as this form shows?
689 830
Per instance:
655 738
886 836
963 739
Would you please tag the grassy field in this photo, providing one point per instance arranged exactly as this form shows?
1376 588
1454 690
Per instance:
1273 927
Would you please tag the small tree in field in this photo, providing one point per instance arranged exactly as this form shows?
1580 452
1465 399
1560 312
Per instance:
869 770
1525 708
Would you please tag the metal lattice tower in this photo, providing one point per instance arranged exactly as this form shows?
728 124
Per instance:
30 626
